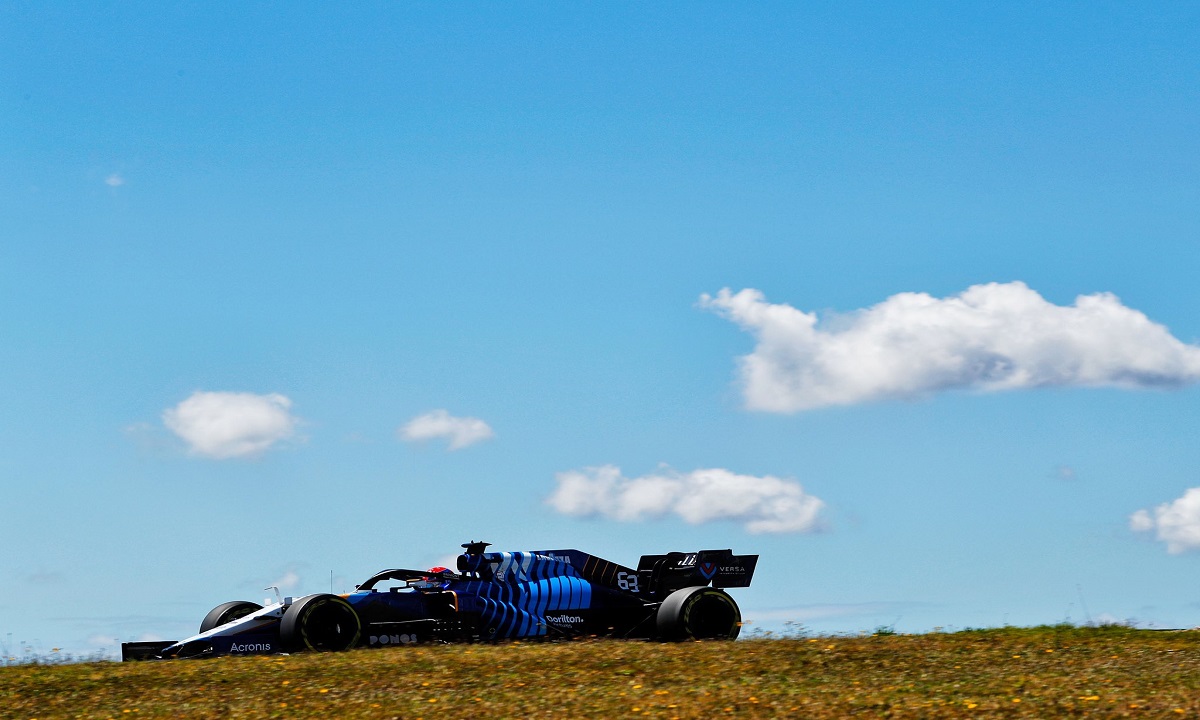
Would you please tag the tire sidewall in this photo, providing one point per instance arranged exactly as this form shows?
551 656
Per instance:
225 612
674 618
294 627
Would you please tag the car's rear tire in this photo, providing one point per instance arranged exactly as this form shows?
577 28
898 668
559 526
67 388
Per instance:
698 613
324 623
228 612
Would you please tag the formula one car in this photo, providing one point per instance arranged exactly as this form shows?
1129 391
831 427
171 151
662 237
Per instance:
492 596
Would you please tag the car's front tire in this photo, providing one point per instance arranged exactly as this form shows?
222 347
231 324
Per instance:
228 612
324 623
698 613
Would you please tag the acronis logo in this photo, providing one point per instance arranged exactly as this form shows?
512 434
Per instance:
250 648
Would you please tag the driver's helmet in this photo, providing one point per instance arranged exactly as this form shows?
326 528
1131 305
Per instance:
436 575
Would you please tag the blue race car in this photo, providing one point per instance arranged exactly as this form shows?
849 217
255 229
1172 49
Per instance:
492 596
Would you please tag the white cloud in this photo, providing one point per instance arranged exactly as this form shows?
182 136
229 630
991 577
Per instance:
450 562
764 504
439 424
100 640
1110 619
114 180
289 581
1141 521
44 577
999 336
1065 472
1176 523
227 424
810 613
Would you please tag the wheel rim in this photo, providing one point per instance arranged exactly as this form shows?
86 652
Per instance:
330 626
712 615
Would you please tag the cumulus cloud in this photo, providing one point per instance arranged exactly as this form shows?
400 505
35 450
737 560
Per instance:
459 432
100 640
999 336
114 180
1065 472
764 504
229 425
43 577
289 581
810 613
1176 523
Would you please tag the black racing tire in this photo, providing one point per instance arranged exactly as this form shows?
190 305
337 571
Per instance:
324 623
698 613
227 612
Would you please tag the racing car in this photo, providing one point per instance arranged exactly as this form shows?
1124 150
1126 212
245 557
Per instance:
491 596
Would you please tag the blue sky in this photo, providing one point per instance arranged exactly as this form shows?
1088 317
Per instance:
332 222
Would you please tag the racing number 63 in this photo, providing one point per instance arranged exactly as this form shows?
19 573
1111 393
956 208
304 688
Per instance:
627 581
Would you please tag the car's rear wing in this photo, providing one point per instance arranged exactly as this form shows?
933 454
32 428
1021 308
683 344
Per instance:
661 574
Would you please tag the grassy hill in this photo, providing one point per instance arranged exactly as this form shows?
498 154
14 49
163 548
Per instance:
1012 672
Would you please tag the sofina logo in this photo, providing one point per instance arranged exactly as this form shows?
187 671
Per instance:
708 569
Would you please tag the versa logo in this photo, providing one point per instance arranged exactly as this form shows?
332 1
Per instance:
708 569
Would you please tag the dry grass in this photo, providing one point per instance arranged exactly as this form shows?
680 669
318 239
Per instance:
1032 673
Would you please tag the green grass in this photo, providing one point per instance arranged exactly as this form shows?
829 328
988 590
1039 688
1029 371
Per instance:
1056 671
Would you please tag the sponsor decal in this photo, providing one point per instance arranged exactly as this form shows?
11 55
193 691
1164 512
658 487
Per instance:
250 647
733 569
560 558
564 619
708 569
403 639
